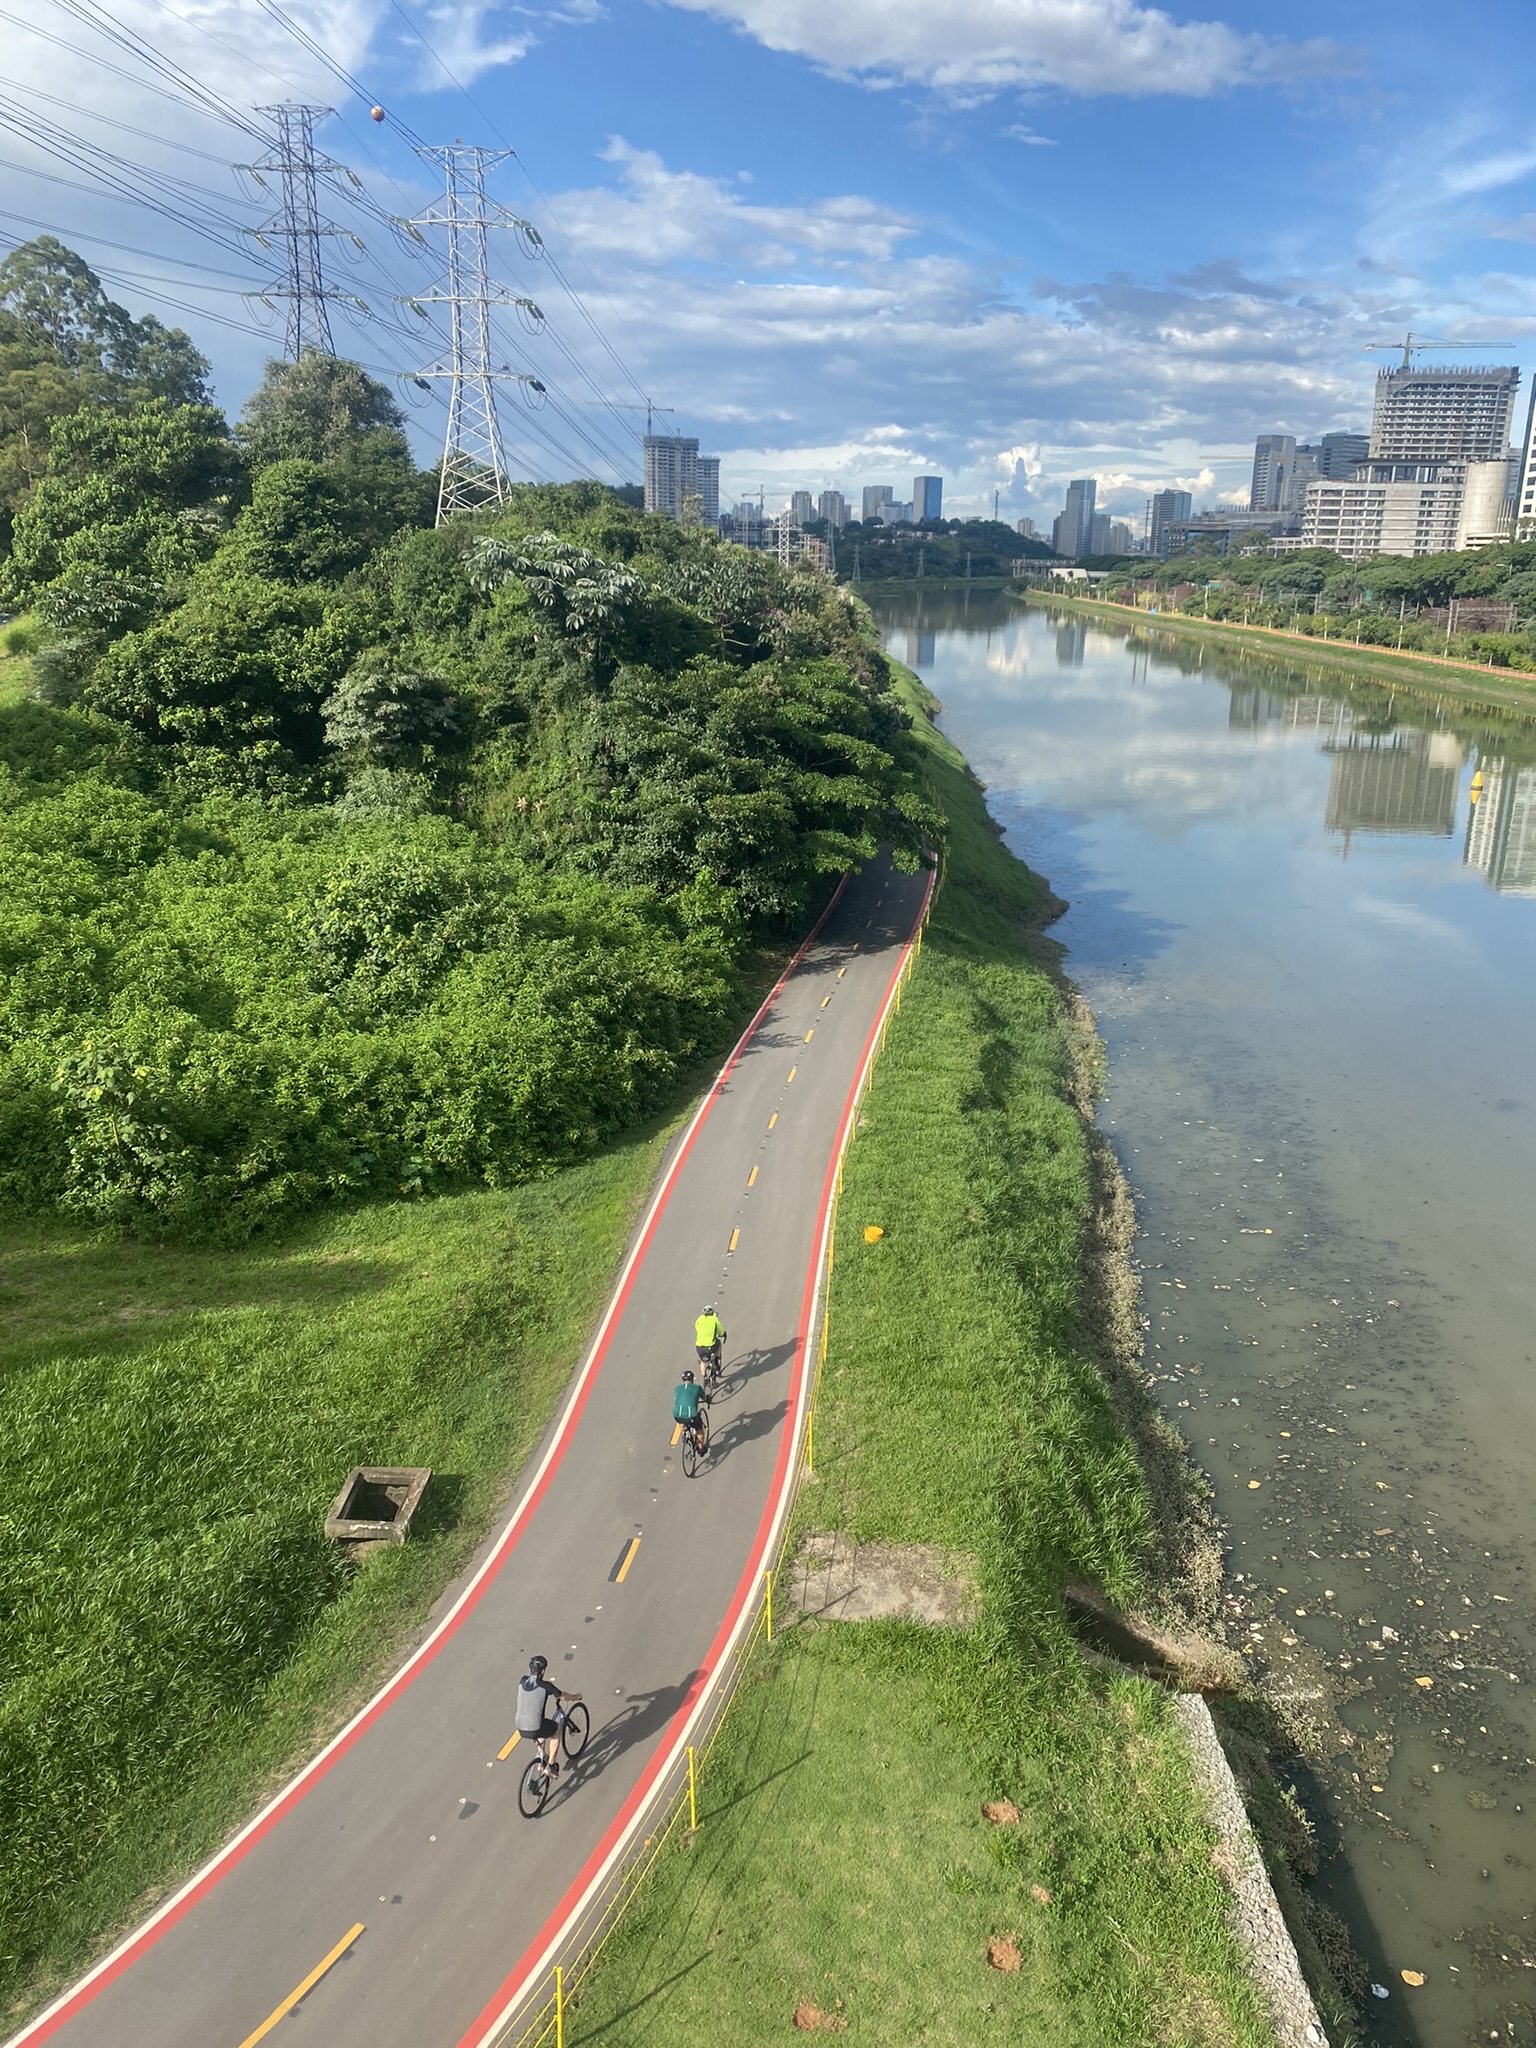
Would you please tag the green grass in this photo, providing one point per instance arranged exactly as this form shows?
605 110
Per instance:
173 1426
842 1854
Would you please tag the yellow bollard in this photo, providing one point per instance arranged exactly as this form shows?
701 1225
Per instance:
693 1803
559 2007
768 1587
810 1444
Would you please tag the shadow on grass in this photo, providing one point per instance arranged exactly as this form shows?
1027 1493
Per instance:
638 2005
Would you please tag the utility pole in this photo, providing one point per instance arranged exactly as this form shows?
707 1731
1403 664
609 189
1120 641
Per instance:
295 163
995 496
474 471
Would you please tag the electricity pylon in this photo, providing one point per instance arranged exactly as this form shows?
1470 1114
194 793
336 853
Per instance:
299 227
474 471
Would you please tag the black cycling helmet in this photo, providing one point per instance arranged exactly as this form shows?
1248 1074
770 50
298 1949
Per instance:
537 1666
688 1374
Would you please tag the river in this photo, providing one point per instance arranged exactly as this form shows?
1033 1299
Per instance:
1309 937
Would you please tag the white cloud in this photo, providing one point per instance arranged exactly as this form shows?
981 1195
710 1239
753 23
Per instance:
967 48
1019 133
827 345
458 45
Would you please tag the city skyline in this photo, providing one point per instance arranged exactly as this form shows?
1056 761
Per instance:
940 278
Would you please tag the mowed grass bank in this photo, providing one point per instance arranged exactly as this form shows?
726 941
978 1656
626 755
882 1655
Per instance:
173 1426
842 1860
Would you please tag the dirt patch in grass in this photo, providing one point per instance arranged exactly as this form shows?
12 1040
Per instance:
810 2019
835 1579
1003 1953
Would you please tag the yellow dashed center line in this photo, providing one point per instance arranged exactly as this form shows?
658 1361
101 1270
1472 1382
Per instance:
677 1433
752 1178
627 1560
810 1034
735 1240
773 1120
841 972
790 1075
825 1000
507 1748
304 1989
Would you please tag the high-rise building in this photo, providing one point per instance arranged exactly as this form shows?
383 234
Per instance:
800 509
1338 455
1443 415
1026 527
1273 457
679 482
1098 534
1436 475
833 507
1166 507
1072 532
1121 541
876 495
895 512
927 497
706 478
1306 468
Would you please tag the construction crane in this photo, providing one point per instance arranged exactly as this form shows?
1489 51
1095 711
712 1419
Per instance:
1412 346
648 409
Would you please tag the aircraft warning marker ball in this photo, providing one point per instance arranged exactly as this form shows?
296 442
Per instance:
375 113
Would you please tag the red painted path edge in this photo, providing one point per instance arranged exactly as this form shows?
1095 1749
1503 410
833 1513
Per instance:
545 1948
64 2008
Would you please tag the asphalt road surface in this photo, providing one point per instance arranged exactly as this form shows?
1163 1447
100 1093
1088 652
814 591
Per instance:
408 1828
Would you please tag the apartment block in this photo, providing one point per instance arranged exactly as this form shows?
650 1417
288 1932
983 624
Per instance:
927 497
833 507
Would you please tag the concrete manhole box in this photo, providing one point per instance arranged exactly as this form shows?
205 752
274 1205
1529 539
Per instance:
377 1503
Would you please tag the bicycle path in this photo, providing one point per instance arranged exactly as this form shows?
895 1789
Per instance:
400 1850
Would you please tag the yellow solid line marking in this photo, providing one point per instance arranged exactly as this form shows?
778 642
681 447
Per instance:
629 1558
507 1748
735 1240
307 1986
810 1034
752 1178
773 1120
677 1433
825 1000
790 1076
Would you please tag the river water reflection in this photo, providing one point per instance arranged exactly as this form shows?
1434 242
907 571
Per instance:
1313 959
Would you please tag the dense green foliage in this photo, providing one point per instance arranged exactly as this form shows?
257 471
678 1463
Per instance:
938 548
342 855
1389 601
64 347
957 1410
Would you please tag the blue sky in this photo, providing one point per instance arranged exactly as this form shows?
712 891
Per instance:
1014 241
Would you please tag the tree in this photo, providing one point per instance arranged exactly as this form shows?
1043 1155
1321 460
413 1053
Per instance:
298 528
57 295
235 675
381 715
132 502
317 410
587 596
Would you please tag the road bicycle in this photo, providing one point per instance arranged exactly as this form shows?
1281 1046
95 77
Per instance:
575 1726
695 1443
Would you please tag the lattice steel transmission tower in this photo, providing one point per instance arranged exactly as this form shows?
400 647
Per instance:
295 161
474 470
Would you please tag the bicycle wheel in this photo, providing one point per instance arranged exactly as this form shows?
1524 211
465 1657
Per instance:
690 1454
578 1726
533 1789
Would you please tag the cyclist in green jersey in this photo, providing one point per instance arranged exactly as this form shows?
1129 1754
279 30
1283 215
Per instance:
688 1407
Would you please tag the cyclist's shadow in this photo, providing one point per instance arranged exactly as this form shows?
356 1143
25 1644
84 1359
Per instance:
643 1715
739 1372
744 1429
